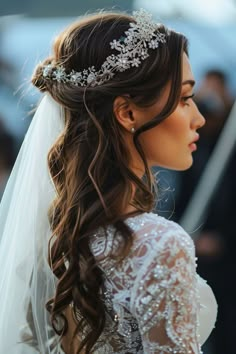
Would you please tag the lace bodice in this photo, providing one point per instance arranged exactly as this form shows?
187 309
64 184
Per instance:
153 295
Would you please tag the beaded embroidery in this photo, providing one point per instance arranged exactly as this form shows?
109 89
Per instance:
153 292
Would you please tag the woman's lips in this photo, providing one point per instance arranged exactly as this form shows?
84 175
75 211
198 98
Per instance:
193 147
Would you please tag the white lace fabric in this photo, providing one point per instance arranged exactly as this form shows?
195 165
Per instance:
153 294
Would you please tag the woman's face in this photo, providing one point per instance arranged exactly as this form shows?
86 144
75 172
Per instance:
172 143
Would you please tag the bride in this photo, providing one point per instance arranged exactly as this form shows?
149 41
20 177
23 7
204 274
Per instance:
86 266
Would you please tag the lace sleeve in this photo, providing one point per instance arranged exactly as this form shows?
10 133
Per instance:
164 297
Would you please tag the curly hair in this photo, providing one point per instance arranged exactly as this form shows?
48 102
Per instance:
89 163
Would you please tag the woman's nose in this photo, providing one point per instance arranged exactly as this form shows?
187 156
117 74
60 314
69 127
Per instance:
198 120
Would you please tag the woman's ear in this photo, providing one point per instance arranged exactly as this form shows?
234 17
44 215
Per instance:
123 111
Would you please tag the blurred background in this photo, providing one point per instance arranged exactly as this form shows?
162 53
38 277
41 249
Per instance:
27 29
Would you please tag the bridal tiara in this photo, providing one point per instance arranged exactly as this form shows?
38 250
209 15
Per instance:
132 48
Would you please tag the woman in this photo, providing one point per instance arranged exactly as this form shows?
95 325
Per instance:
115 277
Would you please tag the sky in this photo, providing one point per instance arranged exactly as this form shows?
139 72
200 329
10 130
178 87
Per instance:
209 11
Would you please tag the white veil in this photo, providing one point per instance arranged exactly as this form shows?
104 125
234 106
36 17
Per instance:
26 281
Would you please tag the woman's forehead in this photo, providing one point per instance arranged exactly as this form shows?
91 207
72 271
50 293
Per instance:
187 77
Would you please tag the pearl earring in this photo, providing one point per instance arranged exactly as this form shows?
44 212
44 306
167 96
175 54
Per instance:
132 130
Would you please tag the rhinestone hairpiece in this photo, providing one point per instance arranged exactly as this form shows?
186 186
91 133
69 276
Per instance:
132 49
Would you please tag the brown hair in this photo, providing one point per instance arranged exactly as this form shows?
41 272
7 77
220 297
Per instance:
89 163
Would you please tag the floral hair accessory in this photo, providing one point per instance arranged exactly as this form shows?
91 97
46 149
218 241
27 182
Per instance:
132 49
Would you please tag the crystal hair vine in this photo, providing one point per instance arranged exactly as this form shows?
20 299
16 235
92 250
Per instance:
132 50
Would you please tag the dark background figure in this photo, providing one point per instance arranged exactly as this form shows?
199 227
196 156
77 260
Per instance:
7 155
10 136
216 243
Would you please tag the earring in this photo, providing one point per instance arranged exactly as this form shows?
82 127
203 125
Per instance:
132 130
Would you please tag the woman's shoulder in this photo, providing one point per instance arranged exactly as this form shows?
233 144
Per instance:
157 232
152 234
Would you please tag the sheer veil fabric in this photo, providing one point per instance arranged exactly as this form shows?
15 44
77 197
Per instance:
26 281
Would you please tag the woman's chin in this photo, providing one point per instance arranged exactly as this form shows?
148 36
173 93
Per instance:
182 165
187 165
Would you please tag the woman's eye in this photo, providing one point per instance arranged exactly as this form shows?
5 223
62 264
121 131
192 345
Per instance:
186 98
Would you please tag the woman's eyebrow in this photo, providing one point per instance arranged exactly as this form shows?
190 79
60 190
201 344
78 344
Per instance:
188 82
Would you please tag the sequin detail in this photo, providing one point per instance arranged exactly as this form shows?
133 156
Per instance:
152 295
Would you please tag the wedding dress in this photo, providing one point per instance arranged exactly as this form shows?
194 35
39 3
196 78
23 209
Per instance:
159 302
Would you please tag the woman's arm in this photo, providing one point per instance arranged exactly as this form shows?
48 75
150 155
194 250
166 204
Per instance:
164 296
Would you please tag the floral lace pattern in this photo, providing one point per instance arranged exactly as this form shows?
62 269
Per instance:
152 295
